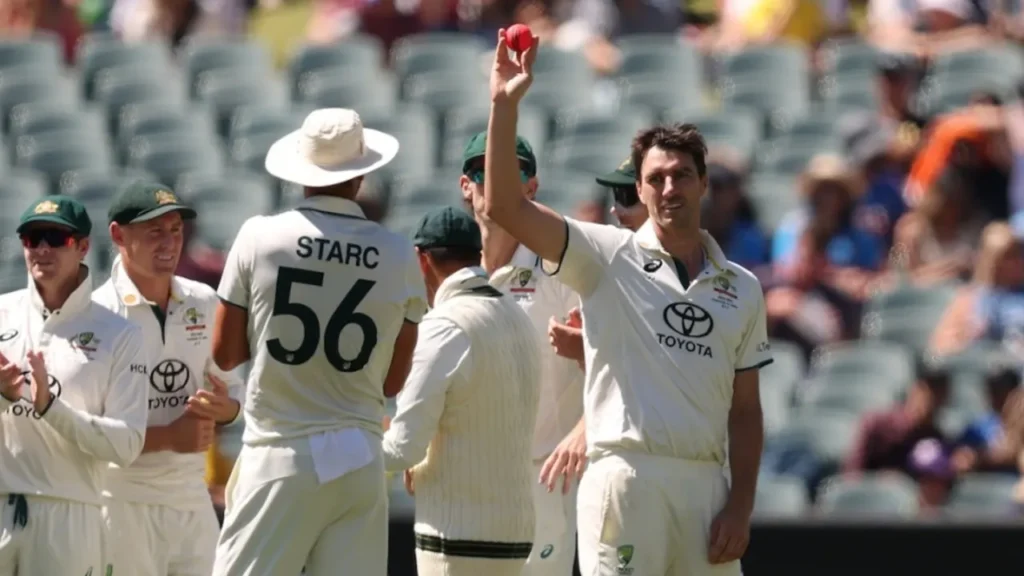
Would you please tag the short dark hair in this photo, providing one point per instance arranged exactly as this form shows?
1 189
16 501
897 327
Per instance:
454 255
682 138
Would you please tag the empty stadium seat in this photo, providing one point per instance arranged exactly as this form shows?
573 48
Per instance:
984 495
32 88
420 53
204 58
55 155
445 90
226 91
257 120
99 53
773 196
780 497
359 57
880 364
96 187
875 495
19 189
415 127
583 128
35 118
737 129
41 53
377 95
168 159
224 202
562 189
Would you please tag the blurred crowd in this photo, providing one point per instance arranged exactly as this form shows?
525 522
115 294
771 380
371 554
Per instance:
914 198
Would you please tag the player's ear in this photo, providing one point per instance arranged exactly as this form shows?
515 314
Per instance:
531 188
83 246
117 233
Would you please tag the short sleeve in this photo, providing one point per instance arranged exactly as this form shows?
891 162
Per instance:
236 280
415 293
755 352
588 251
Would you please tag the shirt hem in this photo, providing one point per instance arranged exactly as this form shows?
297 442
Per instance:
757 366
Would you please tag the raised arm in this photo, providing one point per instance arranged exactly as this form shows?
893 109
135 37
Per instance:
538 228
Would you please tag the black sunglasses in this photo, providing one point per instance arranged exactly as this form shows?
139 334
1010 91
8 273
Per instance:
625 196
54 238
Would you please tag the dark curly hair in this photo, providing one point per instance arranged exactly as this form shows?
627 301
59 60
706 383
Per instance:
682 138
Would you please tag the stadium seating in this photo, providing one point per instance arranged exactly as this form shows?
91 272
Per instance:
202 119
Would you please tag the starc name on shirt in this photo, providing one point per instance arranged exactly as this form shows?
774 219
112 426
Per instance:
327 250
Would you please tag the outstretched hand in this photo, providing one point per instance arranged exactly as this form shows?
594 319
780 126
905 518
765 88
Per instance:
511 75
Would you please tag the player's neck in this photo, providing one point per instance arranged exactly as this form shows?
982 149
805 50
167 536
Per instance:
155 289
682 243
55 294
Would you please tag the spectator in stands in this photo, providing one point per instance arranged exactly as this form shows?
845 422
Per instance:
728 215
991 443
975 141
872 148
897 82
887 439
929 463
593 25
936 242
173 20
831 190
991 307
804 306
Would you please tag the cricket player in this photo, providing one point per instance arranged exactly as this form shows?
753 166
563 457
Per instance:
327 304
72 400
161 519
674 335
559 439
465 419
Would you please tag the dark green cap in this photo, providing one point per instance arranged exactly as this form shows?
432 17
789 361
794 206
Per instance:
140 201
58 210
477 146
447 227
622 177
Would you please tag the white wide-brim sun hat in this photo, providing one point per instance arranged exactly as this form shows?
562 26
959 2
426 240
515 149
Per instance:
331 147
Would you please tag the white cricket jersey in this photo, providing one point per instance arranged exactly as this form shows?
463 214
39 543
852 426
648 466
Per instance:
181 346
98 415
661 350
561 381
327 292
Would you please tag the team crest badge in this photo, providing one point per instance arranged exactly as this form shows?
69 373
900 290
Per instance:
46 207
165 197
196 325
86 341
524 278
725 292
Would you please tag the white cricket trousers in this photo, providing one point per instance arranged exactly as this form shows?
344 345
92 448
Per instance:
58 538
644 515
147 540
554 536
434 564
279 518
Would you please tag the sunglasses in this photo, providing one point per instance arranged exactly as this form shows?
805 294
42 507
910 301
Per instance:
477 176
625 196
53 237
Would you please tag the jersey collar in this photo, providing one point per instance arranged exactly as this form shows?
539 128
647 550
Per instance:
127 292
464 279
648 240
332 205
77 301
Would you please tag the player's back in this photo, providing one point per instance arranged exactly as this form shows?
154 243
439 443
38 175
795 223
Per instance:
329 291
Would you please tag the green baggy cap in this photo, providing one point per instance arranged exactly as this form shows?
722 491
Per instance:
622 177
140 201
447 227
477 146
60 210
